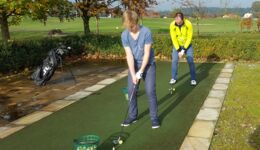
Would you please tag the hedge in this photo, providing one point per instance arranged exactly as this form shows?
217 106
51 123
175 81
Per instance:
17 55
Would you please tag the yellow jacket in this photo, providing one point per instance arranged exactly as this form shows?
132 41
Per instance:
181 37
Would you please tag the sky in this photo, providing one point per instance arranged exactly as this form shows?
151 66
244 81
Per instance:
168 4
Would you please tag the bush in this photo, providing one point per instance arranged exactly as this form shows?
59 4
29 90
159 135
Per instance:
224 48
17 55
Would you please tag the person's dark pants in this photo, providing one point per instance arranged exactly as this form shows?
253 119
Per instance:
175 61
149 77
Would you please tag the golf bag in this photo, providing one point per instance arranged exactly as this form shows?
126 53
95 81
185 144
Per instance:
44 72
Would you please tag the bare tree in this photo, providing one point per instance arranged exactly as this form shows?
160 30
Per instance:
198 9
225 4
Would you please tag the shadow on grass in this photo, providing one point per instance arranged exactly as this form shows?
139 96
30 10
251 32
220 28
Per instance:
108 143
254 139
202 73
185 89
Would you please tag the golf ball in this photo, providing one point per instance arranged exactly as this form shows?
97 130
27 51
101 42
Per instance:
120 142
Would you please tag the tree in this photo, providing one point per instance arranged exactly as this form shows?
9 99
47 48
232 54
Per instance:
139 6
63 9
173 13
116 11
42 9
12 11
256 11
256 7
92 8
198 9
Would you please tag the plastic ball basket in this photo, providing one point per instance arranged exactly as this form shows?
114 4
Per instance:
125 91
87 142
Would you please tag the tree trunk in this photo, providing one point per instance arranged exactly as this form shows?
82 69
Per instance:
141 20
97 24
86 19
198 26
4 28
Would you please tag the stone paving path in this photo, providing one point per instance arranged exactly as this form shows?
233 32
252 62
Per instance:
201 132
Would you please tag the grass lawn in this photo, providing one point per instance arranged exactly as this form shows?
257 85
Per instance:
102 112
29 29
239 124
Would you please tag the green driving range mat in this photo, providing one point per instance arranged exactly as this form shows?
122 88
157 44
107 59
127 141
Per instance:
102 113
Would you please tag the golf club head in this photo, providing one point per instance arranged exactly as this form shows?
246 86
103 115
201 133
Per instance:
60 51
115 142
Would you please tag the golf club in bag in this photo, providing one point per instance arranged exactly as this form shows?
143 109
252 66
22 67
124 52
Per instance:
44 72
119 140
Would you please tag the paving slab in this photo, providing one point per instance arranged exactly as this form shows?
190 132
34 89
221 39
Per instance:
9 130
208 114
202 129
212 103
95 88
57 105
229 66
220 86
227 70
225 75
191 143
31 118
107 81
217 94
3 128
125 71
223 80
120 76
79 95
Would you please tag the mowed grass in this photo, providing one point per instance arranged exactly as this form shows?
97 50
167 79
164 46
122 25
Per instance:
239 124
29 29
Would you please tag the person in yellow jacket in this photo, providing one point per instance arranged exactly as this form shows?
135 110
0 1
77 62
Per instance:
181 31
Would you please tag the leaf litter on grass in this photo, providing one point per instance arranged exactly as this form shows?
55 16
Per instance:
239 123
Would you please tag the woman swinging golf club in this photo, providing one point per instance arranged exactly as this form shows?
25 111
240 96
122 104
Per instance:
137 41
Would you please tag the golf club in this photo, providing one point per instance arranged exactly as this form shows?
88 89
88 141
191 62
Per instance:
172 89
119 140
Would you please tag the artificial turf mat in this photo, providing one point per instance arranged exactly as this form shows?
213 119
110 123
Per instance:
102 112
